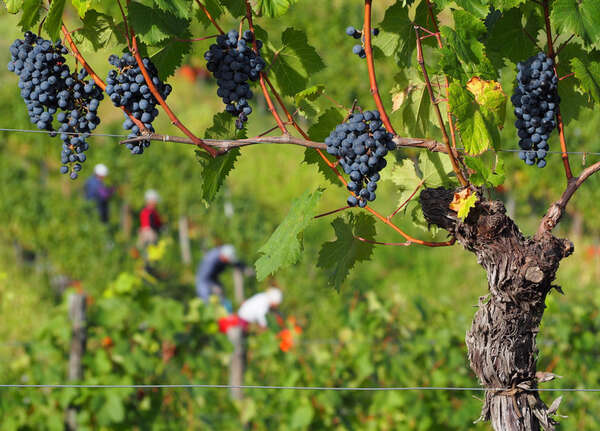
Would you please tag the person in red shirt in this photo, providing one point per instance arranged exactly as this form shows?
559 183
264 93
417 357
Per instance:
150 222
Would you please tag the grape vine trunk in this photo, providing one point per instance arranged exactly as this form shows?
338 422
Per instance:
501 341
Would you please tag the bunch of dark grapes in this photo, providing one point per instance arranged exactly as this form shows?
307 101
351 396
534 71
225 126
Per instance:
48 87
233 62
127 88
79 101
356 34
361 145
535 100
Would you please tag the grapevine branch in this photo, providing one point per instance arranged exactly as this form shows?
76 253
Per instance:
438 37
261 77
371 69
559 120
176 122
438 113
209 16
556 211
99 82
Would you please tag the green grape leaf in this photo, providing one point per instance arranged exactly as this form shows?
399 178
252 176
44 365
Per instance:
503 5
588 75
236 8
98 31
478 8
464 55
434 169
214 8
216 169
581 17
303 100
273 8
318 132
169 57
295 62
153 26
484 175
285 244
397 35
179 8
54 19
31 13
312 157
500 40
325 124
338 257
82 6
14 6
412 106
478 116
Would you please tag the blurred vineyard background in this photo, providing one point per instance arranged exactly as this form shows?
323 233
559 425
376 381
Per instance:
399 319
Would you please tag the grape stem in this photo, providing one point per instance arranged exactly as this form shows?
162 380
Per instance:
371 69
176 122
556 210
360 238
209 16
407 199
332 212
559 120
99 82
261 75
437 110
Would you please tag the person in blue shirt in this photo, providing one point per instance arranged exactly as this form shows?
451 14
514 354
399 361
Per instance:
95 190
214 262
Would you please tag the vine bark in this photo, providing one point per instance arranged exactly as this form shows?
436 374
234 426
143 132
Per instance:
501 341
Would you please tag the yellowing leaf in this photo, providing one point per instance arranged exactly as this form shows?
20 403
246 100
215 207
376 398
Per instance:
463 202
399 97
489 94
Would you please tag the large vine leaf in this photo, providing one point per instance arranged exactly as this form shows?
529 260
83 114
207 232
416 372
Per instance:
508 28
31 13
98 31
236 8
338 257
484 175
318 132
273 8
54 19
285 244
588 75
464 55
153 26
581 17
216 169
294 62
169 57
180 8
82 6
479 115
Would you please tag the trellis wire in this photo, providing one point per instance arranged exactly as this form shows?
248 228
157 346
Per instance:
109 135
299 388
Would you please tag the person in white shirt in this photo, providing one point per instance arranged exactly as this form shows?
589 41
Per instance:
255 309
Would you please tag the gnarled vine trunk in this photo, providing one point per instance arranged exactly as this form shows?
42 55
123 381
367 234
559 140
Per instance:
501 341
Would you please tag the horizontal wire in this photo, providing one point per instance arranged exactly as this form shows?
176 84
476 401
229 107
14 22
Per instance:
581 153
301 388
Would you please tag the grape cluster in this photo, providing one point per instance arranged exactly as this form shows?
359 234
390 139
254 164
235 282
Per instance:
49 88
361 144
535 100
127 88
79 102
356 34
233 62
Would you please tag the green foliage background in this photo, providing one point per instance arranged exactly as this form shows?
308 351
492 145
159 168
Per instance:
398 319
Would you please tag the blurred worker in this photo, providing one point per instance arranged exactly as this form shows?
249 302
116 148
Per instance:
95 190
213 264
150 222
254 309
